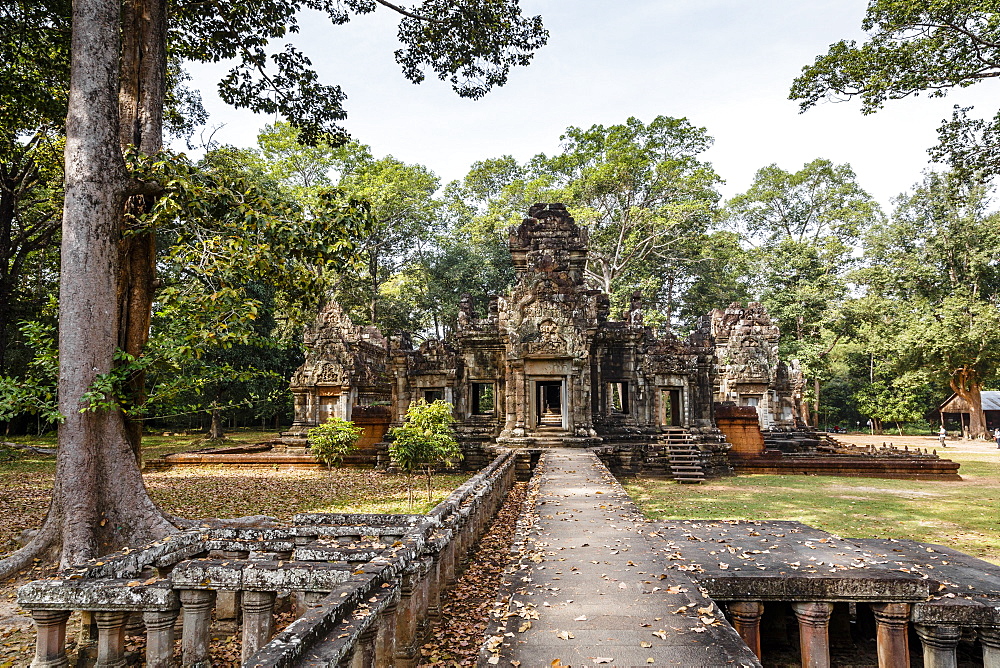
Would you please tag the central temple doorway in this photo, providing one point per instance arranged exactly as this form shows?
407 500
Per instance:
549 403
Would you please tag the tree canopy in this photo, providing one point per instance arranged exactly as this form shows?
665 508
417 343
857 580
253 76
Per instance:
914 47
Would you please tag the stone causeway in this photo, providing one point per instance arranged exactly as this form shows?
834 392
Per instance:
592 582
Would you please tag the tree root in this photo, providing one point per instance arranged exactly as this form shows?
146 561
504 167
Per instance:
30 448
41 546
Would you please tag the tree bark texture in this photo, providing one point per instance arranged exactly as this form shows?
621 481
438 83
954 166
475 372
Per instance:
99 501
140 101
965 383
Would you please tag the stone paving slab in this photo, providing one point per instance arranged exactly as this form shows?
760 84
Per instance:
590 589
969 589
783 561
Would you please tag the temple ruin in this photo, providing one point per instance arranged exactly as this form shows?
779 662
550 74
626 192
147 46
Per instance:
547 366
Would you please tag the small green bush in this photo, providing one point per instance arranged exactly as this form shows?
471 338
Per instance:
425 440
330 441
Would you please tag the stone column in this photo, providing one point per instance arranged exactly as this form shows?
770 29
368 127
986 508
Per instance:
363 655
814 643
50 638
385 637
197 605
989 636
406 624
110 639
160 638
746 620
258 620
940 644
891 620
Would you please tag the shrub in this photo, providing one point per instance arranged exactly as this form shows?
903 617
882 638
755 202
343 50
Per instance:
330 441
425 440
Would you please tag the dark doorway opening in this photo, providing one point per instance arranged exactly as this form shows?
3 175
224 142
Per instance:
430 396
549 403
671 408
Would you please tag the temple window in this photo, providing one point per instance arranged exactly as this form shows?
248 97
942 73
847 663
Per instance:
618 397
483 399
430 396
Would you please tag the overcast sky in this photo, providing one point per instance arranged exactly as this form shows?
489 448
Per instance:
726 65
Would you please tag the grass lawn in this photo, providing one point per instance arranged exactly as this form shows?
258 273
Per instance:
964 515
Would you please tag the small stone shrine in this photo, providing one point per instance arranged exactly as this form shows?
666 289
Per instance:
547 366
749 371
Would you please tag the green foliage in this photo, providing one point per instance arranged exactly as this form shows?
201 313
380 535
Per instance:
641 189
34 392
933 284
425 439
333 439
472 44
898 401
915 46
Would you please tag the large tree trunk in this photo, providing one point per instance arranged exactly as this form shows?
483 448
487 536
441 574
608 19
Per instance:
965 383
816 402
140 100
99 502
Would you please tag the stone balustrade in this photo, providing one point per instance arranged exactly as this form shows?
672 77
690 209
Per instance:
367 588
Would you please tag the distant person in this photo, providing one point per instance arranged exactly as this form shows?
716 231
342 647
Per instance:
941 434
996 436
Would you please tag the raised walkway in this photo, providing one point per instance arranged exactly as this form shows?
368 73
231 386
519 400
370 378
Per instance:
591 589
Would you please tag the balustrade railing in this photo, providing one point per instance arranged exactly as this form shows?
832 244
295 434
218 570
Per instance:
366 589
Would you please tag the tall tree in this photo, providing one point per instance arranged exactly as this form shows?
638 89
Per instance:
803 226
918 46
642 190
937 265
117 92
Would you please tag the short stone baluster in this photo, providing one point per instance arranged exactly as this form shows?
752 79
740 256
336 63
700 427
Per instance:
258 620
746 620
385 637
989 637
940 644
406 623
420 598
160 637
448 577
197 604
50 638
434 592
110 638
86 638
814 640
227 603
363 655
891 622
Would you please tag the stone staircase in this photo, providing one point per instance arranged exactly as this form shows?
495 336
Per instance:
684 457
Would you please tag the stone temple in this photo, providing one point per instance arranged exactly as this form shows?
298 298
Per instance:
547 366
